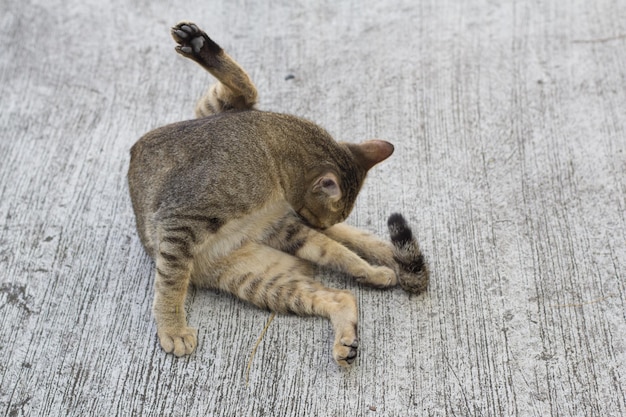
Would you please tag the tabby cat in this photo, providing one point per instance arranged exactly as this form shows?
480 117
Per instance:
248 202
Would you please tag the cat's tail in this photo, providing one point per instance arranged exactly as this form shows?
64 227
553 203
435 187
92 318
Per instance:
413 274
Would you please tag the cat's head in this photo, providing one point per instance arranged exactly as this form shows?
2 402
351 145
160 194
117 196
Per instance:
333 187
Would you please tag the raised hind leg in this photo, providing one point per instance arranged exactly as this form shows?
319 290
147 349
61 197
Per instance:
234 89
283 283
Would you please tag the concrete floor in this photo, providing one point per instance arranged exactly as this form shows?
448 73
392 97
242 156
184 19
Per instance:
509 123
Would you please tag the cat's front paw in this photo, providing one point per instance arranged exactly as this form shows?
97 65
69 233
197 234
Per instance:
179 341
381 277
345 350
194 43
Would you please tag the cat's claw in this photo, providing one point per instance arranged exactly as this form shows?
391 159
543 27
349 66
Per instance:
180 341
179 34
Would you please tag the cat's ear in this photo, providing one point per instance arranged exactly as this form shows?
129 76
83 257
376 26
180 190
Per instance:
371 152
329 185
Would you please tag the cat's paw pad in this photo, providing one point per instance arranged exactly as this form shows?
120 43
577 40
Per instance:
382 277
185 31
189 37
345 350
179 341
192 41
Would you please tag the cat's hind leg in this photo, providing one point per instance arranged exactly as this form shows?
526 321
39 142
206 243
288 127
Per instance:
173 268
282 283
234 89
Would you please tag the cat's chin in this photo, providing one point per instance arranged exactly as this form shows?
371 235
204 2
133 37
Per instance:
311 220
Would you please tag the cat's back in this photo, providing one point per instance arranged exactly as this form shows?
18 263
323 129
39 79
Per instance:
229 164
171 164
227 151
232 131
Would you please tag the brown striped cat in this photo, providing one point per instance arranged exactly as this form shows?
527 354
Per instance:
249 202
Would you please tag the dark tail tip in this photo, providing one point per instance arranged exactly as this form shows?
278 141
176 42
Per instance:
399 230
414 274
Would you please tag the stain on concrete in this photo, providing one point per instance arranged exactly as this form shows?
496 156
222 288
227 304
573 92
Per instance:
16 295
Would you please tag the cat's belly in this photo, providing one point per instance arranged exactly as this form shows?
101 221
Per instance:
210 255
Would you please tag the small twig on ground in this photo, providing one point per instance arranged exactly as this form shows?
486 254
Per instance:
597 300
256 345
599 40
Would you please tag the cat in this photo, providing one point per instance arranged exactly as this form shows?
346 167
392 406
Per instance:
248 202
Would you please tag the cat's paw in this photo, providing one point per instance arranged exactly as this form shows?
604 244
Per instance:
179 341
193 42
381 277
345 350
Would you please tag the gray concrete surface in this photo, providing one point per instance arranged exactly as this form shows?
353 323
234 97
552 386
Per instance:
509 124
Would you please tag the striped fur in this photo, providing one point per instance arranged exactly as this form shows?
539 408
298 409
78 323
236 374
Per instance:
249 202
413 274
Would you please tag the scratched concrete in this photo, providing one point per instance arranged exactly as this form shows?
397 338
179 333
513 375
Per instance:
509 125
